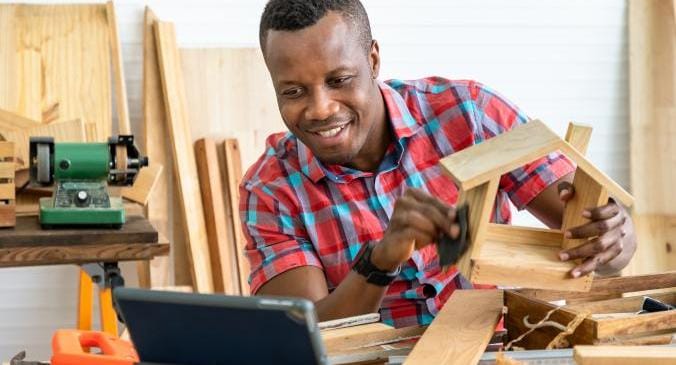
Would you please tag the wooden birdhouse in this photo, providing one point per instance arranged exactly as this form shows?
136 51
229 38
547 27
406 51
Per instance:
526 257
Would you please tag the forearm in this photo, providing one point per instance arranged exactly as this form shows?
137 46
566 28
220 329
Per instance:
354 296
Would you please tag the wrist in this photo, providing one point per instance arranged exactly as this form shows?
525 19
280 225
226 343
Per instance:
380 260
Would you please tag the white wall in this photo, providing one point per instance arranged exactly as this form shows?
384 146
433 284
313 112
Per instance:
560 60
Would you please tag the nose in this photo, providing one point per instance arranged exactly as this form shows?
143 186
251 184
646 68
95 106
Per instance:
321 106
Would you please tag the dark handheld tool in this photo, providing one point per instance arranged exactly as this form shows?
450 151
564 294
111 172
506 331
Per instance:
651 305
451 249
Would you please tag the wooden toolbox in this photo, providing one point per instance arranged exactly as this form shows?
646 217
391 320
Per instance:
7 187
608 321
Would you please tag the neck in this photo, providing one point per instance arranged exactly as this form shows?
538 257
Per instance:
371 154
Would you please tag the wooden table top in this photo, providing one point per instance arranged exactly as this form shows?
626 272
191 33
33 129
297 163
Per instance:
27 244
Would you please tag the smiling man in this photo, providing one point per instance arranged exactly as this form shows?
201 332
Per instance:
344 210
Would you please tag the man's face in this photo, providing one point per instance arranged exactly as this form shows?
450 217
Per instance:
326 88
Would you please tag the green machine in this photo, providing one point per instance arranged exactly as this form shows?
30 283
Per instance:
81 173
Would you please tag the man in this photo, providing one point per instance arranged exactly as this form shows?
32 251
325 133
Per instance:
344 210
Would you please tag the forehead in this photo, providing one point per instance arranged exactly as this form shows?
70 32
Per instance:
329 44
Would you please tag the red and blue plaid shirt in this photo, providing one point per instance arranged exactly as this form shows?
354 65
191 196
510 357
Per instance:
297 211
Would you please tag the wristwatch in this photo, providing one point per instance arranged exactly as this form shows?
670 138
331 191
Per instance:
373 275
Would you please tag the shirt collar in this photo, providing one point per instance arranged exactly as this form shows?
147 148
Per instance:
403 124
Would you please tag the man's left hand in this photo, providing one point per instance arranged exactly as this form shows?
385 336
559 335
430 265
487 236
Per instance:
610 234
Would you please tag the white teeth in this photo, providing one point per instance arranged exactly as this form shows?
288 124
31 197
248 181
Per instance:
331 132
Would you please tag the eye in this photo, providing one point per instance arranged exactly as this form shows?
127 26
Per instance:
292 93
339 81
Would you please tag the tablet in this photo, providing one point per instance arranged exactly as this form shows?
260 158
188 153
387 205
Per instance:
200 329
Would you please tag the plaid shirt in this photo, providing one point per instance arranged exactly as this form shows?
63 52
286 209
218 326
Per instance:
297 212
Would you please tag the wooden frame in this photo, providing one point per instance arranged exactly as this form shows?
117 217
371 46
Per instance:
7 186
519 256
610 321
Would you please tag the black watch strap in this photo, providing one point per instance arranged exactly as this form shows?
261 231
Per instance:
373 275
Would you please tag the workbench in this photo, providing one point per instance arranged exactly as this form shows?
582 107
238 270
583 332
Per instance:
97 250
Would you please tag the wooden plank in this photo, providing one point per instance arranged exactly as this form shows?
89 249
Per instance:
501 154
6 151
631 304
462 329
124 127
184 156
70 131
45 68
155 142
639 324
80 254
614 189
349 321
329 335
11 121
222 251
656 251
8 215
28 233
481 200
532 266
578 135
7 192
233 178
610 286
625 355
372 338
145 182
652 106
524 235
7 170
588 194
520 306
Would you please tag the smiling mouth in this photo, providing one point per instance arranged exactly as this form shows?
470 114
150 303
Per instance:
328 133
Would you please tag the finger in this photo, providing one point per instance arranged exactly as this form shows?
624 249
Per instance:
442 214
596 228
593 263
423 197
566 190
591 248
419 221
603 212
421 238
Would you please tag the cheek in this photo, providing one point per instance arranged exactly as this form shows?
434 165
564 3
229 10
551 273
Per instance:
291 115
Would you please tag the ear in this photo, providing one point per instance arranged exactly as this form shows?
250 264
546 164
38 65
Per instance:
374 59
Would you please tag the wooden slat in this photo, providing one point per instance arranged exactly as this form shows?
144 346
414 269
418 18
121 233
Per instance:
628 304
233 177
156 144
524 235
578 135
644 323
60 255
369 338
528 266
6 151
501 154
588 194
29 233
70 131
462 329
480 199
345 332
8 215
145 182
222 251
624 355
45 69
7 170
124 127
7 191
184 156
11 121
361 319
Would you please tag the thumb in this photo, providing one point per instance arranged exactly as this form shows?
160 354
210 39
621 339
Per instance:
566 191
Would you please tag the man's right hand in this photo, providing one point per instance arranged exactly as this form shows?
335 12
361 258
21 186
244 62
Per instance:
418 219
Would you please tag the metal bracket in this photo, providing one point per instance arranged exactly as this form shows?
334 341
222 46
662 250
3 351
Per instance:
106 274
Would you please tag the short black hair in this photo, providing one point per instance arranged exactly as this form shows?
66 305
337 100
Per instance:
291 15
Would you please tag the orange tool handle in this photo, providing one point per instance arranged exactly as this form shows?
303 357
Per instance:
67 349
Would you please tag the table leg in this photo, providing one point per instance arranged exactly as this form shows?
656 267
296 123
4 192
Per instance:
85 302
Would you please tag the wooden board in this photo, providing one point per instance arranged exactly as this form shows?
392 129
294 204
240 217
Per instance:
656 237
124 127
500 154
588 194
44 50
184 156
579 135
624 355
524 235
155 143
230 92
69 131
145 182
326 326
370 335
233 177
481 200
80 254
10 121
462 329
29 233
222 251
